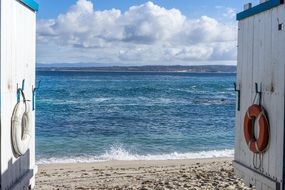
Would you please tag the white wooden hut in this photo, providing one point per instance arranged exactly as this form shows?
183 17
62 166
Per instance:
17 77
261 74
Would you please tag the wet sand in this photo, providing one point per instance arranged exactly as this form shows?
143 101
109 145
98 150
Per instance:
142 175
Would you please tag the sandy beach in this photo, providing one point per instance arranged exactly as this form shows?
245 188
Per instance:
143 175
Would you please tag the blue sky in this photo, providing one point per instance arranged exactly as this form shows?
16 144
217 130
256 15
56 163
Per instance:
109 32
51 8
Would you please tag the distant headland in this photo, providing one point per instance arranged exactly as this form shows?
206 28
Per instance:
146 68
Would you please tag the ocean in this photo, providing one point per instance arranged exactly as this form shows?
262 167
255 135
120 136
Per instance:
98 116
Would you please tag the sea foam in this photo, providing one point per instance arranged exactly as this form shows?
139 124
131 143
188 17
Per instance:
120 154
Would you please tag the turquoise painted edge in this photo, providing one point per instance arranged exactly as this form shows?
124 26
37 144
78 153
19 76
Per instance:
258 9
31 4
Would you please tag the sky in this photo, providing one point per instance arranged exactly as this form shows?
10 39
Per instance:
158 32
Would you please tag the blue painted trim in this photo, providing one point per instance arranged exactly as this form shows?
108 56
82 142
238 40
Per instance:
258 9
31 4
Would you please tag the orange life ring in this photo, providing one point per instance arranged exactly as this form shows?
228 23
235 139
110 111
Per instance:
256 113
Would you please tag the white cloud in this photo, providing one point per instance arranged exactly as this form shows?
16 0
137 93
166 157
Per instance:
230 12
144 34
227 12
149 23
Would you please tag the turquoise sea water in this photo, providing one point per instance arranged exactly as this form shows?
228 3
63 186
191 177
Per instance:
91 116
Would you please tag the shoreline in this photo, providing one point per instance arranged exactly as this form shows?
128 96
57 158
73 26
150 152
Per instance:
165 174
132 163
120 154
109 71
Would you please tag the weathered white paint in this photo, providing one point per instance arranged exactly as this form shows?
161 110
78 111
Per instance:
261 59
18 26
253 177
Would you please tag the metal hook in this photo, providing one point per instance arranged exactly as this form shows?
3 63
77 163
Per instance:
280 25
238 91
23 85
258 91
20 91
34 94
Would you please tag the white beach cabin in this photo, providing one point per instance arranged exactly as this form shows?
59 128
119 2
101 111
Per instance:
17 147
259 141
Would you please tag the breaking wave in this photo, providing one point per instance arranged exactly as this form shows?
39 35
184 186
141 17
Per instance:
120 154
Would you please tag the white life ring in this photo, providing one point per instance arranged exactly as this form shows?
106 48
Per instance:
21 128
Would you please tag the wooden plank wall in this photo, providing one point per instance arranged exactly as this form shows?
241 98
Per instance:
0 84
261 59
18 37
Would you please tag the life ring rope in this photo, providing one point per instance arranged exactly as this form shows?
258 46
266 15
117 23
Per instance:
256 147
